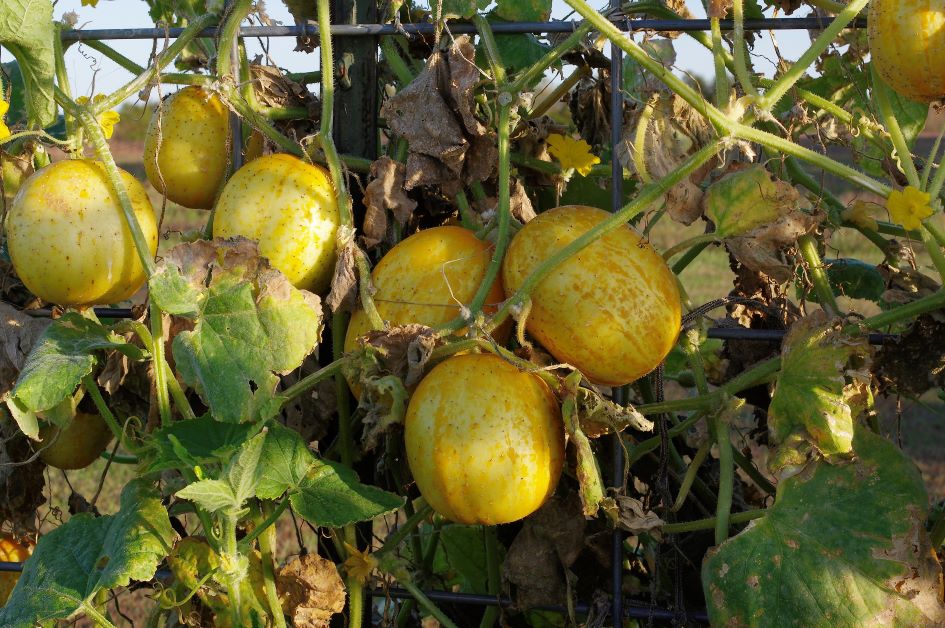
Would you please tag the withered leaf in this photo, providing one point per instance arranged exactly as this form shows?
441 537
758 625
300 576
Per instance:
549 542
435 113
601 416
384 193
673 132
344 283
311 591
635 519
18 333
762 249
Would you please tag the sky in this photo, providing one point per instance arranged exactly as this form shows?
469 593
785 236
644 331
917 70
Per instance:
85 65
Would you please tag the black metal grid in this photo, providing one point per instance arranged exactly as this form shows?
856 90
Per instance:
623 23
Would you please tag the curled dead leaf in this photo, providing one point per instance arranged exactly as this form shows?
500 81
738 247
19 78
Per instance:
344 283
311 591
385 192
448 146
764 249
18 333
601 416
633 517
672 131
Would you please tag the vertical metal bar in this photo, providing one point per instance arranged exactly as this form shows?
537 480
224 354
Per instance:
355 123
620 394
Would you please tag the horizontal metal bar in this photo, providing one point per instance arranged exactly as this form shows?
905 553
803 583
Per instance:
722 333
634 612
776 335
374 30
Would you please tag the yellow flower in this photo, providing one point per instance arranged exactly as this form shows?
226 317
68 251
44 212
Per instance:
858 213
909 207
4 129
359 564
572 153
89 3
107 119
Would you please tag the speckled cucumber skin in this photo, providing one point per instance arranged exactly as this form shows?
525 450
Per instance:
425 279
485 441
612 310
192 129
907 44
68 239
289 207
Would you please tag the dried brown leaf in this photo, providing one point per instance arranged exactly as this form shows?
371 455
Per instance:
435 113
344 283
18 333
601 416
673 132
635 519
764 249
548 544
311 591
384 193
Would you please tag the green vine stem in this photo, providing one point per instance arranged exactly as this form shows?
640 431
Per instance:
648 195
807 246
180 399
62 79
392 542
233 17
246 543
651 444
232 575
142 80
427 604
798 68
738 37
709 524
492 50
934 251
746 465
550 100
537 69
313 379
721 120
702 239
881 93
132 67
723 509
91 387
161 367
267 542
722 86
691 472
96 616
395 61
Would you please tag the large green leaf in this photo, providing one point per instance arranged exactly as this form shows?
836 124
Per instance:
65 354
523 10
812 401
852 278
322 492
250 324
88 554
27 30
331 496
235 483
463 9
284 462
843 545
197 441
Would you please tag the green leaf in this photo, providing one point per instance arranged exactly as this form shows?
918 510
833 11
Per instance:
811 400
284 462
517 51
852 278
460 558
524 10
27 421
461 9
250 324
200 440
27 31
88 554
747 199
212 495
63 356
843 545
637 82
242 471
331 496
13 83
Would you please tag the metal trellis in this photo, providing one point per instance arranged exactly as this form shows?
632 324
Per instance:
352 30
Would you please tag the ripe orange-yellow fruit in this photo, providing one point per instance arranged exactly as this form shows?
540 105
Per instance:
612 310
185 149
289 208
427 278
907 46
484 440
68 239
78 445
10 552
